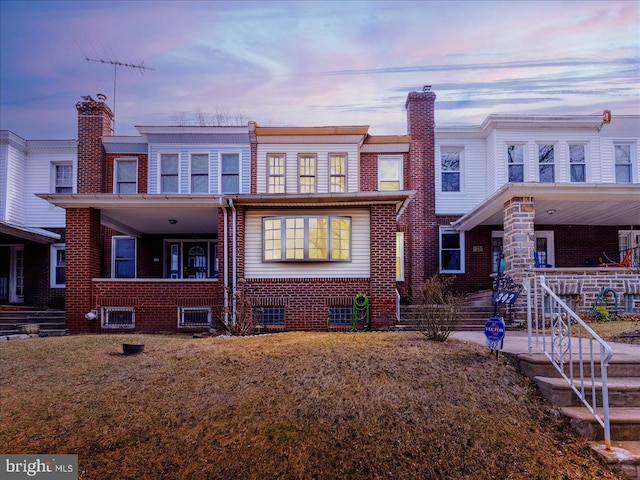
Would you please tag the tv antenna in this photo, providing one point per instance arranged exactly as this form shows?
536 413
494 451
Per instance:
116 64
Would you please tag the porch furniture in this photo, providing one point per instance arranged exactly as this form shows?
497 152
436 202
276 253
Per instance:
625 262
538 263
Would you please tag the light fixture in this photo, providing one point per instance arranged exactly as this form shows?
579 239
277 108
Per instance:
551 211
172 221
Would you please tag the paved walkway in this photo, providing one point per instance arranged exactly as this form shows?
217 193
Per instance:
517 342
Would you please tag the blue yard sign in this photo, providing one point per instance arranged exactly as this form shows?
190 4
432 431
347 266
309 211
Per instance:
494 330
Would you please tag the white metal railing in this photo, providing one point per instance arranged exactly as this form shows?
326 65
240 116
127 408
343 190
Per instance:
572 346
397 305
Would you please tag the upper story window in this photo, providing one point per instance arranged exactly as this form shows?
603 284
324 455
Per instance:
126 175
306 238
515 163
337 172
123 264
390 173
450 169
63 178
169 173
623 163
307 173
577 163
275 173
199 173
546 163
230 173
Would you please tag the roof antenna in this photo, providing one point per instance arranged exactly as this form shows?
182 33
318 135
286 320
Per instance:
116 64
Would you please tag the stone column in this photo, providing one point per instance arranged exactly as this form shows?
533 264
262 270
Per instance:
518 244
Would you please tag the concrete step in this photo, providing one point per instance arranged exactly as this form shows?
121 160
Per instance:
538 365
623 458
623 391
625 423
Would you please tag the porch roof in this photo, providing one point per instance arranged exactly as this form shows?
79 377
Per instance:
562 204
148 213
37 235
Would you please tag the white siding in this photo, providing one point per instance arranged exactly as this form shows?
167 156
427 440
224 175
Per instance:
291 168
16 174
184 154
4 152
358 267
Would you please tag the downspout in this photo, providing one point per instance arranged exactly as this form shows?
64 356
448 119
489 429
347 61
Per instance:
234 270
225 254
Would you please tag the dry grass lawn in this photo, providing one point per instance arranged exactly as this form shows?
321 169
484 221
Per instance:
290 406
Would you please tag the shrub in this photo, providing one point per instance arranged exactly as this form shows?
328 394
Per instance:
240 317
438 308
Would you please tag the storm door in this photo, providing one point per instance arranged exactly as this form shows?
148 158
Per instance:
195 259
191 259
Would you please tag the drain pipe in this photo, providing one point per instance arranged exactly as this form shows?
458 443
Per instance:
234 270
225 254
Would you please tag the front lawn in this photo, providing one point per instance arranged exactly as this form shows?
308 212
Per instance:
290 405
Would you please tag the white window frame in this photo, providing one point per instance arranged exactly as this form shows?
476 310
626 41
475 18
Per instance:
554 164
585 162
443 231
221 174
632 161
116 163
160 156
283 176
345 159
183 310
53 257
314 176
114 240
54 176
106 311
524 159
460 150
391 158
399 256
191 155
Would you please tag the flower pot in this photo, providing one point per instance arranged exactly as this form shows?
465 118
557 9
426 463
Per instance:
132 348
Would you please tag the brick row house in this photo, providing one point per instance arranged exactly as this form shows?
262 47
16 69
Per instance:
163 227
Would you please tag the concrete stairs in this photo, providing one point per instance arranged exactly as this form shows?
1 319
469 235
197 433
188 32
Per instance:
472 316
16 320
624 406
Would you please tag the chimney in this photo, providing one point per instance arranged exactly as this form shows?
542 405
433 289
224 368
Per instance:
424 234
94 122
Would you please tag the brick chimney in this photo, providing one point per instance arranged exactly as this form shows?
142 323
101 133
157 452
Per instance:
423 228
94 122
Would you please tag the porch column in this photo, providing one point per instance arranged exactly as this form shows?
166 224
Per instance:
518 243
82 238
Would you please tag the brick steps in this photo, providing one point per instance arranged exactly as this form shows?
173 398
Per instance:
16 320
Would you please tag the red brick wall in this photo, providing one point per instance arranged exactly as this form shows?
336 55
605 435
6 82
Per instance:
94 122
83 264
143 166
383 267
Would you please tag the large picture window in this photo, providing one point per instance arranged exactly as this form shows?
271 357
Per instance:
306 238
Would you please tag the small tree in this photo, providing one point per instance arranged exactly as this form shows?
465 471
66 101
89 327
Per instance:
438 308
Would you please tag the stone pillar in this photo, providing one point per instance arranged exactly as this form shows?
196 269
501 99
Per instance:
518 244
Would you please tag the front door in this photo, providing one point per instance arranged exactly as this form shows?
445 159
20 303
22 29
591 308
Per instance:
12 274
5 256
195 259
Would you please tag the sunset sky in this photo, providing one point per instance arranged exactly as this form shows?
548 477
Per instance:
309 63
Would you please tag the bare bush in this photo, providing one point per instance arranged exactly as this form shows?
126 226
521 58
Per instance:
240 316
438 308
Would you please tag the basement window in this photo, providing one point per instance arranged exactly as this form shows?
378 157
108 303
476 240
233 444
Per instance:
194 316
118 317
339 315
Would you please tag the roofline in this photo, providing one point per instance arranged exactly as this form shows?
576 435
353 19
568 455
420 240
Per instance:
146 130
304 131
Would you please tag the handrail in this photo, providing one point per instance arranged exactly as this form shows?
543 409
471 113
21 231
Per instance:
397 305
550 330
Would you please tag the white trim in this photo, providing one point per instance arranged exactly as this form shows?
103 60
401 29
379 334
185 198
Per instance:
556 172
114 239
448 230
231 152
189 169
53 257
439 172
159 177
395 158
116 161
104 316
182 310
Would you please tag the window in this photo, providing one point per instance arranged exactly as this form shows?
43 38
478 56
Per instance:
118 317
400 256
124 257
230 173
496 250
577 163
270 316
63 178
306 238
451 251
623 162
450 159
337 173
307 173
546 164
169 173
390 173
199 173
515 163
58 265
340 315
126 175
275 173
194 316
